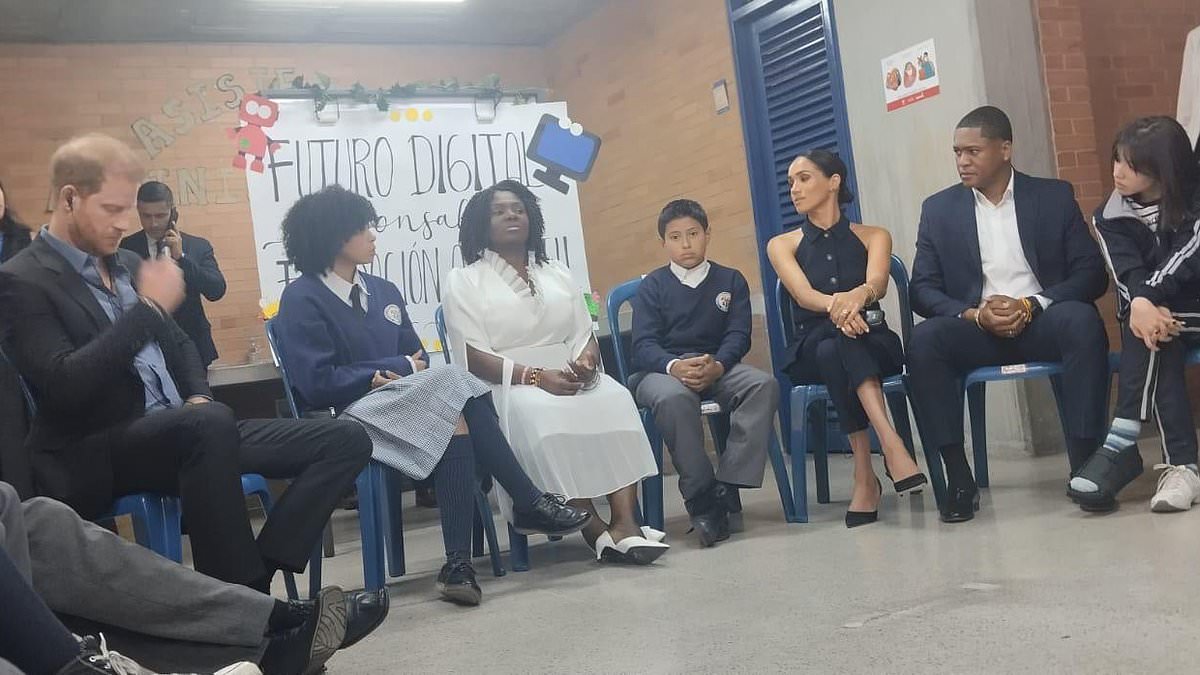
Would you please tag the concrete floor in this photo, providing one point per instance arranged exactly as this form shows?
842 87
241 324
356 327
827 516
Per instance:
1031 585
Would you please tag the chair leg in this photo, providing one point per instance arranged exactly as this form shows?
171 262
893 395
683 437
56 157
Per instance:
718 426
518 550
898 403
172 527
327 541
819 444
799 443
652 487
977 407
314 572
476 534
370 528
785 414
487 526
393 518
779 466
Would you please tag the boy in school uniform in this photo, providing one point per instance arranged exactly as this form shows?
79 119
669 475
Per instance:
691 329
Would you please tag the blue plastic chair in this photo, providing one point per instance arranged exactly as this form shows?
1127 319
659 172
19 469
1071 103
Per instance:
380 506
157 518
795 509
804 406
518 544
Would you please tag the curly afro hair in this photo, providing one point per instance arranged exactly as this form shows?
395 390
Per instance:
475 227
318 225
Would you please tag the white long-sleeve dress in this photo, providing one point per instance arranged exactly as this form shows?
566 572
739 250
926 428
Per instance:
581 446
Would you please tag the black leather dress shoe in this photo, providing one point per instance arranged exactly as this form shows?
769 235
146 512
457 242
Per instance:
365 610
306 648
961 503
551 515
709 515
456 582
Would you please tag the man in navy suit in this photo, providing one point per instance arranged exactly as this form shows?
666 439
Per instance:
160 237
1005 273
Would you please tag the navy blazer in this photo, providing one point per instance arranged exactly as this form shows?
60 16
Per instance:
331 353
947 276
202 276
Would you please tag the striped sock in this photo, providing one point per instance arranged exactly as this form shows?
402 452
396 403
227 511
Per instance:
1121 435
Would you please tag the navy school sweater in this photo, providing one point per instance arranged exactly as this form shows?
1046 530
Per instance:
670 319
331 352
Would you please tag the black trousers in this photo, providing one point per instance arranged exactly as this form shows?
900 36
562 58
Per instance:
944 349
1154 383
31 637
841 363
199 453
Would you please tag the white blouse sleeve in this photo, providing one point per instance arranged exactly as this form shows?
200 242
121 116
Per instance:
582 333
463 313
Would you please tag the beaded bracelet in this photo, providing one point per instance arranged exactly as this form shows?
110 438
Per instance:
535 377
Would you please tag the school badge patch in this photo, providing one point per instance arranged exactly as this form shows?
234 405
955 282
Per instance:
393 314
723 300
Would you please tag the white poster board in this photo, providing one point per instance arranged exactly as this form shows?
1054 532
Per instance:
418 163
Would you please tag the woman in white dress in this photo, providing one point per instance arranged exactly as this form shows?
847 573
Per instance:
522 325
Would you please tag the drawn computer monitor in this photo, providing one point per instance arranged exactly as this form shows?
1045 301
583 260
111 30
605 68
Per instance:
563 152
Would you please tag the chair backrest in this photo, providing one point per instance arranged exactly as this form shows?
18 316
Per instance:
281 363
617 297
899 274
439 320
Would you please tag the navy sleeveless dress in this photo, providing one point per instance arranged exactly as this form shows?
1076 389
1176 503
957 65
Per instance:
835 261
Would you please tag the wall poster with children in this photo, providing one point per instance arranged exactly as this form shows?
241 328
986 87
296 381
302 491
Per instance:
910 75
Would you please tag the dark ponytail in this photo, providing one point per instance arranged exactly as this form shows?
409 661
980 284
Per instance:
831 165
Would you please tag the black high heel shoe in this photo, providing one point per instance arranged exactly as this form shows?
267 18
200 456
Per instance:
912 482
856 518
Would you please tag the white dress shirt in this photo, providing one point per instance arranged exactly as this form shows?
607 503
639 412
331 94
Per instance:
152 247
692 278
1006 271
343 288
1188 110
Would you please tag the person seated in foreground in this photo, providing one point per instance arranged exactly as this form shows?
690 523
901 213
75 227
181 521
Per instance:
348 344
60 573
691 330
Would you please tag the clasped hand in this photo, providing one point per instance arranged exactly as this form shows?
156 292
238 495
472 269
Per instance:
697 373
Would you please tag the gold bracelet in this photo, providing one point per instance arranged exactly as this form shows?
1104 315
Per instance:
977 324
535 377
872 296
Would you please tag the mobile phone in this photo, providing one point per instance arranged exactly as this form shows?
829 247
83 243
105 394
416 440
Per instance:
173 219
873 317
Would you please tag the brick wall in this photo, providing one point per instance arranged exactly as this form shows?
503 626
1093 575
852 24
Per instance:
662 138
640 74
55 92
1106 63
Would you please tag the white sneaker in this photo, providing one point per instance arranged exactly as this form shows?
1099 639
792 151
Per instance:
1178 489
95 657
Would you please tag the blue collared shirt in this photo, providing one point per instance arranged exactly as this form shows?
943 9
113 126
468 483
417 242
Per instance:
150 364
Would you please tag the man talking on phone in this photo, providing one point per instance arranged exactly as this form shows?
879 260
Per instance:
160 238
